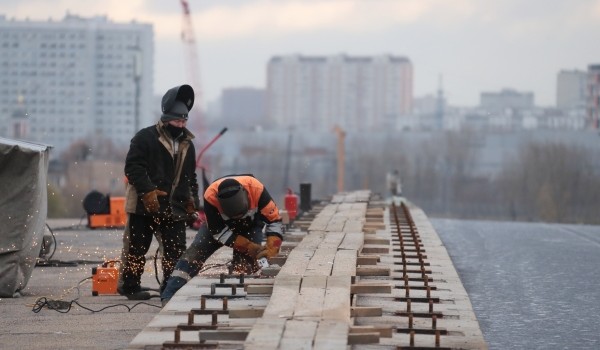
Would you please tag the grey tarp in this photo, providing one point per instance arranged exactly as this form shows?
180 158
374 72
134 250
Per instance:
23 210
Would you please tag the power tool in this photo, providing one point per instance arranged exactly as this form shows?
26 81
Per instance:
105 279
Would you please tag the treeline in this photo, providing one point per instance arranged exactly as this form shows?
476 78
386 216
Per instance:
443 173
544 181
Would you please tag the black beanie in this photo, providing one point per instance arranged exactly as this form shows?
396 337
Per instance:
232 197
178 111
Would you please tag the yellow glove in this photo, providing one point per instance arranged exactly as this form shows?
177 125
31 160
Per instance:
150 200
244 245
272 249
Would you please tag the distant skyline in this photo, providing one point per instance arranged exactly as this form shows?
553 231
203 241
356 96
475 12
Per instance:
474 45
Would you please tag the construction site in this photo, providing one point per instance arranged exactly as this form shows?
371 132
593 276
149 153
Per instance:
355 272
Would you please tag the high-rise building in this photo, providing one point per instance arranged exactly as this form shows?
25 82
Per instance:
571 88
75 79
355 93
593 96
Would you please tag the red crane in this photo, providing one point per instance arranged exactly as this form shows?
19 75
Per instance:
196 124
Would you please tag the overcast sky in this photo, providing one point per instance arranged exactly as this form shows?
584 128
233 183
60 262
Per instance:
476 45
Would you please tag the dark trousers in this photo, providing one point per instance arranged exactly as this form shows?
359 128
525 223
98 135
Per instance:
136 243
204 245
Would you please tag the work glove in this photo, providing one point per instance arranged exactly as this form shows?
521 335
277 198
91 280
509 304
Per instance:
272 248
150 200
246 246
192 214
190 207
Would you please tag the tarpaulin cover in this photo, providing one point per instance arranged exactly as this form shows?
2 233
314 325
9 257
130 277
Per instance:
23 208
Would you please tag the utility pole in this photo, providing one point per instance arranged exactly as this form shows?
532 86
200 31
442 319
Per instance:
341 135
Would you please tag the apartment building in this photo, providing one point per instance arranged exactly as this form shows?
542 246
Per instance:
571 89
75 79
355 93
593 96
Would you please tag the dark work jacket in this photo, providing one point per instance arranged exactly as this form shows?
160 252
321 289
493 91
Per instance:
151 164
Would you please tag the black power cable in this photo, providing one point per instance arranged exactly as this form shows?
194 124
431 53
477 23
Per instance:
64 306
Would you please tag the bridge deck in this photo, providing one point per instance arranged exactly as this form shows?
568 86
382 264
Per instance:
356 273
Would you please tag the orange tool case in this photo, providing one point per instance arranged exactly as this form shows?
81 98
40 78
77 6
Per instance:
105 279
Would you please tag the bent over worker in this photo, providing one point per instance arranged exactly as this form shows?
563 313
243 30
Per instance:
238 209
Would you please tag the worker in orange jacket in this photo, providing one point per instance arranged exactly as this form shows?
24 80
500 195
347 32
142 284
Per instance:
238 209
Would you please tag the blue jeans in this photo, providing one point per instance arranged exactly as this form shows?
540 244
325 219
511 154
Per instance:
203 246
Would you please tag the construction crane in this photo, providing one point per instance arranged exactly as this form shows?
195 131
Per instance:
192 69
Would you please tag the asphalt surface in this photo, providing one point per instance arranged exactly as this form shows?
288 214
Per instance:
96 322
532 285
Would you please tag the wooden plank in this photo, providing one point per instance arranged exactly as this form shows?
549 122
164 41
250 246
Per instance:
354 225
367 260
293 237
353 241
246 313
336 305
384 332
259 289
366 311
298 335
321 262
376 240
344 263
230 335
312 294
311 241
318 225
363 338
283 298
278 260
331 335
370 288
265 334
375 249
373 271
336 224
296 263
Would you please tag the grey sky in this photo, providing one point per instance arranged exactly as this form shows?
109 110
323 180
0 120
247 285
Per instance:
477 45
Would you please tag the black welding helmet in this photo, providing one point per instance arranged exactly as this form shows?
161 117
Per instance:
177 102
233 198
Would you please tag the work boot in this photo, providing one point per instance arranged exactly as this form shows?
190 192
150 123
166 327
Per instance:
135 293
174 284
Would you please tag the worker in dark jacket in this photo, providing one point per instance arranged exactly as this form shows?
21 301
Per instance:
162 191
238 210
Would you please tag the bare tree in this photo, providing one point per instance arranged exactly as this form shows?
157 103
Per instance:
551 182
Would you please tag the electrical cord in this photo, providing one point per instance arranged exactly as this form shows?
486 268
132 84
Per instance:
64 306
48 262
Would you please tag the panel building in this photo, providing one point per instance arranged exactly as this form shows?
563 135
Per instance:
571 86
356 93
75 79
593 96
507 99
